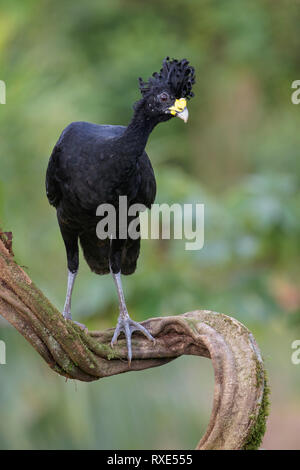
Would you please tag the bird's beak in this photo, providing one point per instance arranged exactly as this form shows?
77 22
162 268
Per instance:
179 109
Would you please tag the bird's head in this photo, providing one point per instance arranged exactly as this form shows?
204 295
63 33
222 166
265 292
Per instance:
165 94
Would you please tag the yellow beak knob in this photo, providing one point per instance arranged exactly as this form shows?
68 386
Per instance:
178 106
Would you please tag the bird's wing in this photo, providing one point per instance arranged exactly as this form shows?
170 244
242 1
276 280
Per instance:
147 188
53 190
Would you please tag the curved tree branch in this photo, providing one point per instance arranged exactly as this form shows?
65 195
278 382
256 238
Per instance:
240 393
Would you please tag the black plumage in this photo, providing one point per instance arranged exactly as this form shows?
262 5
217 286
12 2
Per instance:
94 164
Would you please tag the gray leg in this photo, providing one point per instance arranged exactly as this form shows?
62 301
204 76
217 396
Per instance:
67 308
125 324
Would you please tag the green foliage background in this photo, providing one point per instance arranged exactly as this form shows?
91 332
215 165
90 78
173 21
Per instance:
64 61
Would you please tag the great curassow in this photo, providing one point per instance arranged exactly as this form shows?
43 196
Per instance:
95 164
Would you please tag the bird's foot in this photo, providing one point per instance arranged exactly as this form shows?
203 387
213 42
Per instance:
128 326
68 316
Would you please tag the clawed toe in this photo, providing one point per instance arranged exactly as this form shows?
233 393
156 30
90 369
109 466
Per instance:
128 326
82 326
67 316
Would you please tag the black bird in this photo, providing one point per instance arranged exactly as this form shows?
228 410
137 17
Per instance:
95 164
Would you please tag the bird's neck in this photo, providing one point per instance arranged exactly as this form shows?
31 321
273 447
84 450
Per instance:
136 134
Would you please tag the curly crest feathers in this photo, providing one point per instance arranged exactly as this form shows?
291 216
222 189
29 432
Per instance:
178 75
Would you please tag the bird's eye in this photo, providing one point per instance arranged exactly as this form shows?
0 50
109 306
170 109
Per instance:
164 96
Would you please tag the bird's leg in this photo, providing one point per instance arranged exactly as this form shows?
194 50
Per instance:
67 307
71 243
125 323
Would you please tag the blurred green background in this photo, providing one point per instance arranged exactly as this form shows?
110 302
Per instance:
64 61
